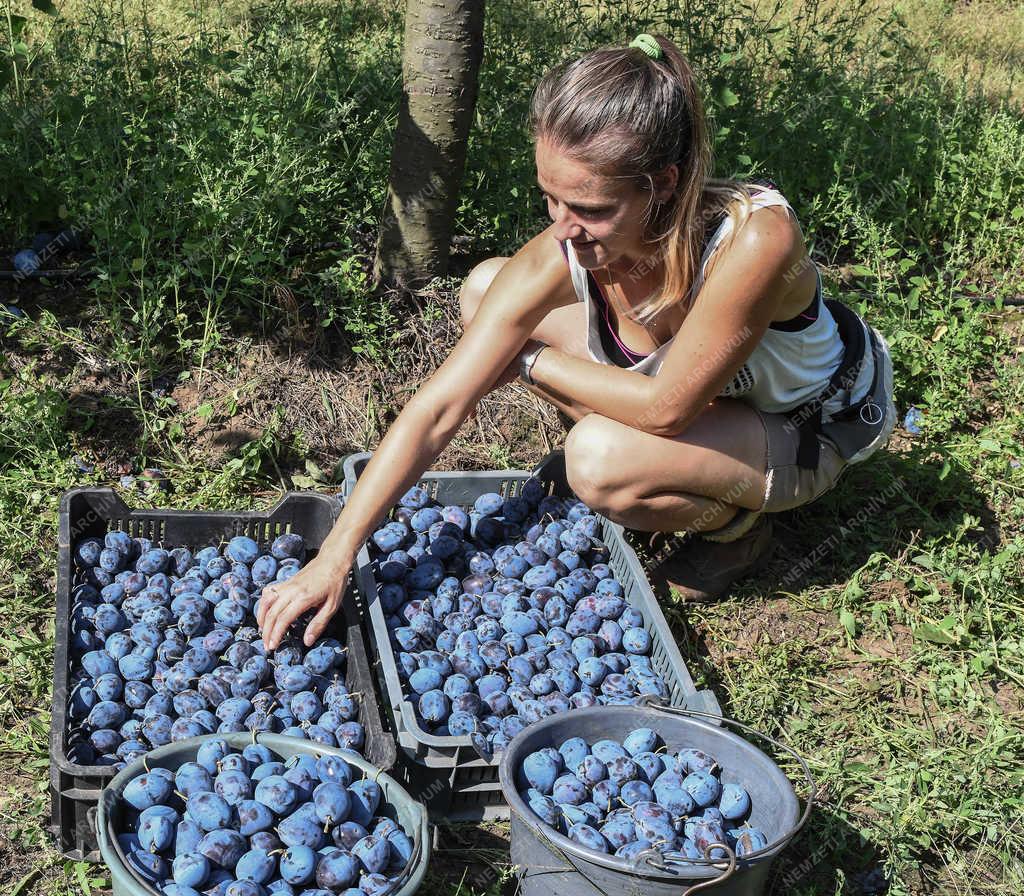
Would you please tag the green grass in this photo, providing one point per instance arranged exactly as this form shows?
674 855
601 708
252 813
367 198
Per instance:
232 163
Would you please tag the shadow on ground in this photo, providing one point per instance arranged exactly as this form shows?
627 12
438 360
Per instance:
878 506
470 858
829 856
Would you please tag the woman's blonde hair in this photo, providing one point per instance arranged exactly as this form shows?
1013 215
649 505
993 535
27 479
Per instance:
626 115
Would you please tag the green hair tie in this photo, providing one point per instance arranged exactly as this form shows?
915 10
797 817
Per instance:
646 43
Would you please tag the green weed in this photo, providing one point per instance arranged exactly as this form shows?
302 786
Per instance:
231 167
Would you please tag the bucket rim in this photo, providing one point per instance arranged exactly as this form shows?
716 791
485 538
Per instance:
700 868
110 848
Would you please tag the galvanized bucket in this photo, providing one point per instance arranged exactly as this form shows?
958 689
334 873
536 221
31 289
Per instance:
396 803
549 862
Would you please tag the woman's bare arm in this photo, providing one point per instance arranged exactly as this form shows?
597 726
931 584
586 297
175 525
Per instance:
520 295
736 304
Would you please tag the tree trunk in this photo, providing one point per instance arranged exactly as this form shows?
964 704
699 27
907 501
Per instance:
443 47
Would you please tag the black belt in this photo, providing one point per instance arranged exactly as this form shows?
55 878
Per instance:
808 416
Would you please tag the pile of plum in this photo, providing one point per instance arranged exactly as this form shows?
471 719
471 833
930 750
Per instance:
625 798
506 614
165 647
246 824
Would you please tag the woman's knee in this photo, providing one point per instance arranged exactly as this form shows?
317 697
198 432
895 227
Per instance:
593 459
476 284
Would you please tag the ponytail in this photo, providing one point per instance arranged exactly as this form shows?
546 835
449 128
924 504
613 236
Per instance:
628 115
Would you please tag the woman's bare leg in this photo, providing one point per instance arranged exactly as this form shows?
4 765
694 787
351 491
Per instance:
697 481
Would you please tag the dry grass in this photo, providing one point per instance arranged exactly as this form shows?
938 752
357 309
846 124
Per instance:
978 42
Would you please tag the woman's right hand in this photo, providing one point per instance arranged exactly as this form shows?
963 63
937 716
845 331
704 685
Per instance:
321 583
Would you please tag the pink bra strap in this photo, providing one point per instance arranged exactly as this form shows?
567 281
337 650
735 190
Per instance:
607 319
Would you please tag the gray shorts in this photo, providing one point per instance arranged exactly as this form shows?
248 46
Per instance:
788 485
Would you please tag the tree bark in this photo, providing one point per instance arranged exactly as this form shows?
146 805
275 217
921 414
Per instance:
443 48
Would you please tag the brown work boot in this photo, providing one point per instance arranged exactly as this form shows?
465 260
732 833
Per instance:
699 570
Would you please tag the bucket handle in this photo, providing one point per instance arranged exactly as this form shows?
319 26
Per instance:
659 860
655 859
654 702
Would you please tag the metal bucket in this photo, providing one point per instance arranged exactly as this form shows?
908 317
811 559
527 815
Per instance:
549 862
395 803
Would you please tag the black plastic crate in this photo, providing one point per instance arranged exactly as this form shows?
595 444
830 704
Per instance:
447 773
85 512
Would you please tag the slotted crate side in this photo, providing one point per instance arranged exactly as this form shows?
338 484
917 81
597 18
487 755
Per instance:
473 791
95 511
380 748
665 655
454 487
455 792
92 512
72 817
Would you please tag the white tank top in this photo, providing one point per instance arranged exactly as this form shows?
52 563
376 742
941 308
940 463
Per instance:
785 369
